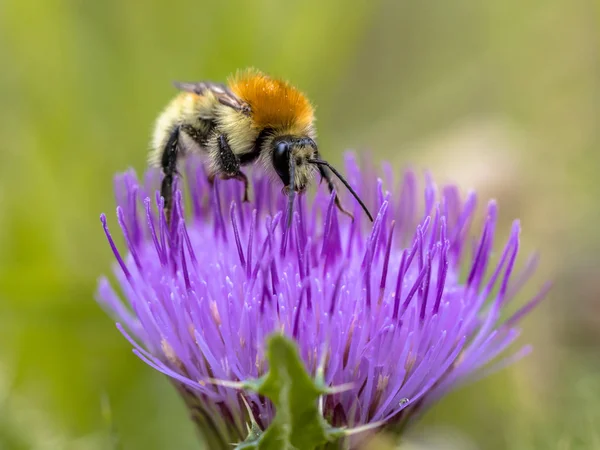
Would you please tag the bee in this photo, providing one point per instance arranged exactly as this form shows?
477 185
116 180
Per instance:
252 119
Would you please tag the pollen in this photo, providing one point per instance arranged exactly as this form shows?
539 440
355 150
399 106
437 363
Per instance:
169 353
274 103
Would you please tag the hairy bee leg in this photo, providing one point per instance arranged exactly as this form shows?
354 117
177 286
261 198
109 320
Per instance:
169 168
326 175
229 166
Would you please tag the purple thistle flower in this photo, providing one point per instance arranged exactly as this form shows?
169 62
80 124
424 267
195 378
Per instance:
383 304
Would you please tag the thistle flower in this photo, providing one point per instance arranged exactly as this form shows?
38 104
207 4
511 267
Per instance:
397 311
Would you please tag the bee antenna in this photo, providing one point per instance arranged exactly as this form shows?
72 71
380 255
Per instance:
292 192
343 180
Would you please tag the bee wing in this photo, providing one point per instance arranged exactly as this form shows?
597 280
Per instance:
221 91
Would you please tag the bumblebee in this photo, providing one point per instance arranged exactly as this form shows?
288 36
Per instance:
252 119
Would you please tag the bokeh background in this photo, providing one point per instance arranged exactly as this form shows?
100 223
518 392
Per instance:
502 96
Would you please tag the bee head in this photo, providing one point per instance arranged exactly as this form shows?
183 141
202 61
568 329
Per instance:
291 155
295 159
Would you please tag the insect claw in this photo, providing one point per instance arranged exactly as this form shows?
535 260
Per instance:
343 210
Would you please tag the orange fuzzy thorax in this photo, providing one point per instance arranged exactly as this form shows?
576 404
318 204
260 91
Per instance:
274 103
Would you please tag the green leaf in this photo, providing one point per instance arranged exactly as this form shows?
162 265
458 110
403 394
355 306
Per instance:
298 423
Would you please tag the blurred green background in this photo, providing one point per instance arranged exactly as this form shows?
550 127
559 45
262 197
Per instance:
502 96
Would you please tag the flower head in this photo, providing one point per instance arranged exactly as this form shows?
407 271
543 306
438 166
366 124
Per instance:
387 307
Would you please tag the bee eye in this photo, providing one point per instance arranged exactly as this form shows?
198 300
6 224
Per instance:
281 158
281 150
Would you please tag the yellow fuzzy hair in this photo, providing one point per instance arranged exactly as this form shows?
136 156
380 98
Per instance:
274 103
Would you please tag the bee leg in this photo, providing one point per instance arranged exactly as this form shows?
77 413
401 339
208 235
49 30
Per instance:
326 175
229 165
241 176
169 168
